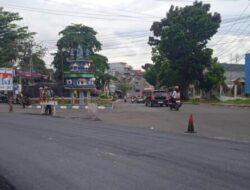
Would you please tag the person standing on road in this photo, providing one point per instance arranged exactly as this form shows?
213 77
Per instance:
174 96
10 102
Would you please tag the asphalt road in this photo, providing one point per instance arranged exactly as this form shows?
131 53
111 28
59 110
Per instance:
46 153
222 122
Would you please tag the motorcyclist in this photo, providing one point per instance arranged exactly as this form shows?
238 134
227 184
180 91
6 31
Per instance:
125 98
175 99
173 96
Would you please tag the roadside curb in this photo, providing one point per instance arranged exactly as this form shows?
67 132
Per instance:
219 104
232 105
72 107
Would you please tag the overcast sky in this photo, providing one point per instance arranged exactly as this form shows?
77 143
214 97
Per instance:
123 25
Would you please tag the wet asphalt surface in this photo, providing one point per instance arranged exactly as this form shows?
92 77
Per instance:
40 152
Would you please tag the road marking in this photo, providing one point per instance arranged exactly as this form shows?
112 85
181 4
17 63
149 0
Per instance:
231 139
110 154
152 128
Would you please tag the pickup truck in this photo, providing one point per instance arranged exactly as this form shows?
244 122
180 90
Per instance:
157 97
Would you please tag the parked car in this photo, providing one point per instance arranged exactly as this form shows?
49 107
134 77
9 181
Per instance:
3 98
157 97
133 99
140 100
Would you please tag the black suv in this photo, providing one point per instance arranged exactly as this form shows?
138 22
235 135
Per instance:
157 97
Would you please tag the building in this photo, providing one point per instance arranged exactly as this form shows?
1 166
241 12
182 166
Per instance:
80 79
124 72
117 67
233 72
247 75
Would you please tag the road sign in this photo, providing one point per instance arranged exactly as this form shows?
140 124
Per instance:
6 79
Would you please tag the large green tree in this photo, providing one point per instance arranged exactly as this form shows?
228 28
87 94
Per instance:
16 44
78 34
11 35
181 38
100 67
159 74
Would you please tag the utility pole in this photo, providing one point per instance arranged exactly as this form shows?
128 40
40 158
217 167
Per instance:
231 62
62 66
31 62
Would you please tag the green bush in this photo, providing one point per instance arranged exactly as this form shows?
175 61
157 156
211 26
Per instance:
195 101
102 102
103 96
239 101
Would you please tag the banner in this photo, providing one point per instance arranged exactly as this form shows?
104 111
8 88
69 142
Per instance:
6 79
26 74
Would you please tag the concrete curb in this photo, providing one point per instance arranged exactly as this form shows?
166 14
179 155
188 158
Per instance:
232 105
72 107
220 104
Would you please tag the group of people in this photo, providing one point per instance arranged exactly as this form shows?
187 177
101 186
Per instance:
46 94
17 99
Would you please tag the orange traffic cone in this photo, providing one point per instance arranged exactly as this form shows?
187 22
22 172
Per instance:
190 124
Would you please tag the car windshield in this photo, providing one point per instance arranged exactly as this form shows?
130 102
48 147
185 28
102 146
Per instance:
116 94
159 93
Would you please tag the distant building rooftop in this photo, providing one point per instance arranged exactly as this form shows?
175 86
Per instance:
233 72
233 67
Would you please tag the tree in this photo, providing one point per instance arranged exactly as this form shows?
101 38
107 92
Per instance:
30 57
78 34
159 74
151 73
181 38
124 87
11 37
17 46
100 67
213 76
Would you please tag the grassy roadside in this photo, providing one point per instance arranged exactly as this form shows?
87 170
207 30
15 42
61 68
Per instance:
215 101
239 101
102 102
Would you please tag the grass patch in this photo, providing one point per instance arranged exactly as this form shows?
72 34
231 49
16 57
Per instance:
197 101
102 102
238 101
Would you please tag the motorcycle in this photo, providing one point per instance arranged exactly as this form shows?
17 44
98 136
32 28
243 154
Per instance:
133 99
175 104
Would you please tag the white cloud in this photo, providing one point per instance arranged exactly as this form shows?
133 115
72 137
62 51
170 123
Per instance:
116 20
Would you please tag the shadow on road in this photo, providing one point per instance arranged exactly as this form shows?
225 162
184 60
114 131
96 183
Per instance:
5 184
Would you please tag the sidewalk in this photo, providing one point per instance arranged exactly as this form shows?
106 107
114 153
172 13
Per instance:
61 113
210 121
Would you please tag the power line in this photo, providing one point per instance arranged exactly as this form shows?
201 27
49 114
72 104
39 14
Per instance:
119 10
71 14
225 50
239 17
